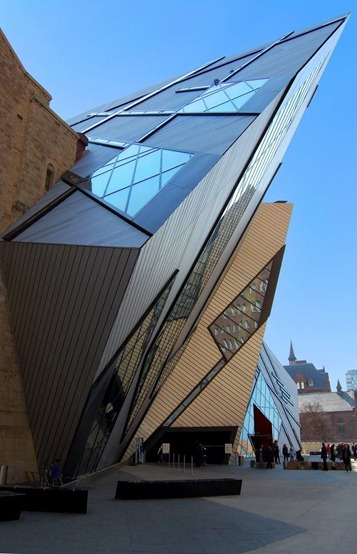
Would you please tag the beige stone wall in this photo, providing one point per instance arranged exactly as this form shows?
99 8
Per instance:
32 136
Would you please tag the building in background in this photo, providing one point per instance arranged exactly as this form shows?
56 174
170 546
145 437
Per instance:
351 379
139 285
273 410
308 379
328 417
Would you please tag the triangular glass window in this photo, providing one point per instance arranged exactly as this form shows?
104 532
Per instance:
224 97
131 179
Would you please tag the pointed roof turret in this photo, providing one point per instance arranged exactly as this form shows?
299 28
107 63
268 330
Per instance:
339 388
292 357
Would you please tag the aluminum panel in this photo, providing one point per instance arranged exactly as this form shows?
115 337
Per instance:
126 128
209 133
80 220
288 57
53 194
68 293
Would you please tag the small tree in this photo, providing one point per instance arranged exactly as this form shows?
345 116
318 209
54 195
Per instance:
315 423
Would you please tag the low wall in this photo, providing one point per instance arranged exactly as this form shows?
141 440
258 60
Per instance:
139 490
312 465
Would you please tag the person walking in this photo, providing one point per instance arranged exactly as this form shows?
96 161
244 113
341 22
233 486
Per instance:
285 453
346 457
324 457
270 457
276 452
332 456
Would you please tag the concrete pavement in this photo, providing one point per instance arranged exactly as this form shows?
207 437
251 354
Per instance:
278 512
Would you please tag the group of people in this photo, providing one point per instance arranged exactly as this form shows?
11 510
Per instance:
272 454
343 451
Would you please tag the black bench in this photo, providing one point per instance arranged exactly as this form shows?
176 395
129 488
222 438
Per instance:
10 505
47 499
139 490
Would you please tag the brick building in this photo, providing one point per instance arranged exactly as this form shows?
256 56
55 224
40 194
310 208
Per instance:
308 379
36 147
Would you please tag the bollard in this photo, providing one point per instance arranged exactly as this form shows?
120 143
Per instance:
3 475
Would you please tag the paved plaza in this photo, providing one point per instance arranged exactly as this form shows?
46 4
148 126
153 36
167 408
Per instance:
278 512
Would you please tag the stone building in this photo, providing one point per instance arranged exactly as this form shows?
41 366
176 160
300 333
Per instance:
308 379
36 147
328 417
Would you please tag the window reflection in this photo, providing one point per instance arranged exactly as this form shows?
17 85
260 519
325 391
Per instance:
224 97
244 313
262 398
133 177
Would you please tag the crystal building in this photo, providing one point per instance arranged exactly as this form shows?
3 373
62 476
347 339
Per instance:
273 410
115 276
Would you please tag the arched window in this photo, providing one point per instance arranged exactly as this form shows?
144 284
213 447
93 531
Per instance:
341 426
49 177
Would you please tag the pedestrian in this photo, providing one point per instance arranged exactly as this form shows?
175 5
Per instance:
260 456
56 475
291 453
285 453
346 457
276 452
160 455
332 456
324 457
270 457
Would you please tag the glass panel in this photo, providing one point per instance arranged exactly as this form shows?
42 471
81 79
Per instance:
147 169
141 194
148 165
239 102
119 199
165 177
171 159
217 98
99 183
122 178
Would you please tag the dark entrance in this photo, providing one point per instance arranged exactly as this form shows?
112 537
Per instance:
183 441
262 431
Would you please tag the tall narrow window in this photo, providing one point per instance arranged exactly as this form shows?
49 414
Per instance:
49 177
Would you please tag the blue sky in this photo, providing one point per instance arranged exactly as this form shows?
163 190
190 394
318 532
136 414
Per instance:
88 53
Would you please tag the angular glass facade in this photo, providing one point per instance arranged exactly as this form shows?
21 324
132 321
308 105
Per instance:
141 231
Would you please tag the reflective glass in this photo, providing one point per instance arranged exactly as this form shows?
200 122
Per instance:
141 194
224 97
263 399
131 179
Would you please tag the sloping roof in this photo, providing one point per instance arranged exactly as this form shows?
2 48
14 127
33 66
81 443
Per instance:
328 401
319 376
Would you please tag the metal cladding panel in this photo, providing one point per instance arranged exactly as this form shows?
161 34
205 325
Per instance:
88 122
169 99
224 400
289 56
50 196
212 134
80 220
177 243
286 395
95 156
157 211
63 302
126 127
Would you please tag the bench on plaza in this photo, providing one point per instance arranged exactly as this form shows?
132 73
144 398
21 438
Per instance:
10 505
294 464
262 465
50 499
188 488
